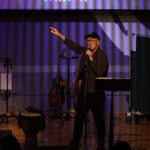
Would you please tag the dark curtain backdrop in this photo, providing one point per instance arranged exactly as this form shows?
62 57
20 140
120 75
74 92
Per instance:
140 75
34 53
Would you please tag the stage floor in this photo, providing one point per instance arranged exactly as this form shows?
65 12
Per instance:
58 132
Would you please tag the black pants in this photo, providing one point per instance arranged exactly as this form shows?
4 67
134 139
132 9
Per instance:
95 102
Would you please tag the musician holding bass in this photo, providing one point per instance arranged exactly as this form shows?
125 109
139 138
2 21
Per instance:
98 67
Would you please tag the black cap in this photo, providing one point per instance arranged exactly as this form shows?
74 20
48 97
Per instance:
92 35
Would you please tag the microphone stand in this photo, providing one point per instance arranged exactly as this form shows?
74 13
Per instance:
85 92
68 92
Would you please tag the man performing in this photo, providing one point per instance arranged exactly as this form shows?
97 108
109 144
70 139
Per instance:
98 67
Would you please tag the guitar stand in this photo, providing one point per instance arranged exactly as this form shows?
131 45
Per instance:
54 113
68 112
7 93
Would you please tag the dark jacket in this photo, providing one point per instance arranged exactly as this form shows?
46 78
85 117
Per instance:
98 67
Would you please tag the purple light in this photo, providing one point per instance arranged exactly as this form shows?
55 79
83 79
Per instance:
75 4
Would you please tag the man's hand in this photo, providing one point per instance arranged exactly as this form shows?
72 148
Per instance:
90 54
54 31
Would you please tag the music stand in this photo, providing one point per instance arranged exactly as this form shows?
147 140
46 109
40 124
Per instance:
7 63
112 84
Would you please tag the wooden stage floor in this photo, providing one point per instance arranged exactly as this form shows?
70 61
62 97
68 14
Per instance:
58 134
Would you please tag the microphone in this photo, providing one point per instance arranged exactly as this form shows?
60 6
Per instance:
87 56
89 48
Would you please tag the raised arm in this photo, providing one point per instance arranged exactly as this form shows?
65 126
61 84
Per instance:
54 31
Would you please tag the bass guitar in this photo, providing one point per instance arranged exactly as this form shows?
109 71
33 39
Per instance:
57 94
